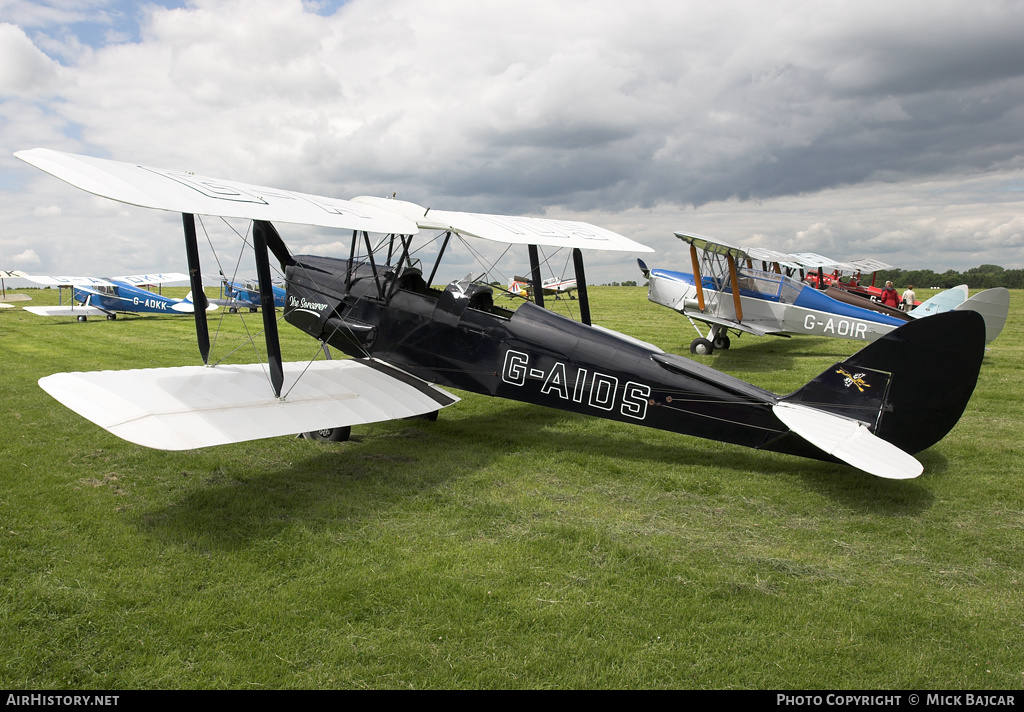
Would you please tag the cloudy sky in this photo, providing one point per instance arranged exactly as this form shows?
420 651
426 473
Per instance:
890 129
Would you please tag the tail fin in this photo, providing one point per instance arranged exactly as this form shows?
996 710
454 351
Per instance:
909 387
994 305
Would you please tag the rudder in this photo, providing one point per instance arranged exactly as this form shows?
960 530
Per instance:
911 386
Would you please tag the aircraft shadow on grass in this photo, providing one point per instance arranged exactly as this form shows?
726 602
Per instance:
369 483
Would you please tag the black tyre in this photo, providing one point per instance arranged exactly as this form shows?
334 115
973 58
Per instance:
701 347
334 435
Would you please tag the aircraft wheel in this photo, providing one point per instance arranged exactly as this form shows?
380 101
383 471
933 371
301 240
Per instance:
252 309
334 435
82 318
721 342
111 317
701 347
232 310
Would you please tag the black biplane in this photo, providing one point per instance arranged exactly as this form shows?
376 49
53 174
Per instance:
874 410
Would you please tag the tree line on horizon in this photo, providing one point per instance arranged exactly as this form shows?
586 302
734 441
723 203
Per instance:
981 277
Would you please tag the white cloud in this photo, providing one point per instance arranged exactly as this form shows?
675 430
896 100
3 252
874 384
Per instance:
24 70
28 258
808 125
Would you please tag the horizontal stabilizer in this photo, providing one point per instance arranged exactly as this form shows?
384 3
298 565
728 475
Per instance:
187 306
197 406
68 310
848 440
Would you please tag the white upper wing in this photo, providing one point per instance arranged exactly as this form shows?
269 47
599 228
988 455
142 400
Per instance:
161 278
707 244
510 229
813 260
185 192
66 280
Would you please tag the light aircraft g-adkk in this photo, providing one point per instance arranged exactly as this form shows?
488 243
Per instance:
408 340
107 297
725 291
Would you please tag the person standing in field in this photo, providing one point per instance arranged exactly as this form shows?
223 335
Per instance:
889 296
909 298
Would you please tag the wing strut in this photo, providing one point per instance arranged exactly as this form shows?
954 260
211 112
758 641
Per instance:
535 275
351 261
261 235
698 282
195 276
734 280
581 285
440 254
403 258
373 264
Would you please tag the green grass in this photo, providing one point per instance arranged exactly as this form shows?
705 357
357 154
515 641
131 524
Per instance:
503 546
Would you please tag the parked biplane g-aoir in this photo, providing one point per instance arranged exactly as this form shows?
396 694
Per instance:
95 296
405 336
993 304
727 291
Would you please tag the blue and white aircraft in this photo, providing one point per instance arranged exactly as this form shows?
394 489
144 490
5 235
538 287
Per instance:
93 296
247 294
725 291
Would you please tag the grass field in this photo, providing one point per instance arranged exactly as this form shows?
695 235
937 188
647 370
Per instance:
503 546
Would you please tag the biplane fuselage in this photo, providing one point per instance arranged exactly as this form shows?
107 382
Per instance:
769 303
127 298
458 338
247 294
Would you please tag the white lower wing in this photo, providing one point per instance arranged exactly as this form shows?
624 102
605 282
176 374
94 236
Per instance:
69 310
849 440
198 406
